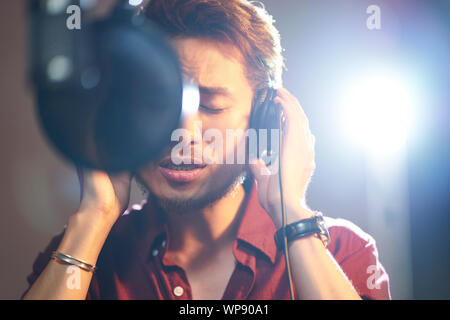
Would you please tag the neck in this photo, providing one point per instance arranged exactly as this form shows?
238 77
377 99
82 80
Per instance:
199 234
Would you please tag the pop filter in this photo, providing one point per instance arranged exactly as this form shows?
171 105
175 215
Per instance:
108 95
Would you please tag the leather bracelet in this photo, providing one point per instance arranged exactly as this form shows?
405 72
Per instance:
65 258
304 228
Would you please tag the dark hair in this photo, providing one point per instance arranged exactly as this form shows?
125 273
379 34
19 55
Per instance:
245 24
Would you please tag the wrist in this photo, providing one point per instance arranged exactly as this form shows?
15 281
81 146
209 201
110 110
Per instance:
84 236
304 228
95 219
294 212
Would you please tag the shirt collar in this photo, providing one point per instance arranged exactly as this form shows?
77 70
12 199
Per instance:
256 227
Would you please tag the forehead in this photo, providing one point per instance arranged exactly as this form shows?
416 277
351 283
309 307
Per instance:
211 63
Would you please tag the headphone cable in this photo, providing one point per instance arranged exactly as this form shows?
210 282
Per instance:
283 214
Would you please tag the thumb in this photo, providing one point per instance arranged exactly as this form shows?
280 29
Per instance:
259 169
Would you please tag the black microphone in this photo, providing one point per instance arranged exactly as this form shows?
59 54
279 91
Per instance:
108 95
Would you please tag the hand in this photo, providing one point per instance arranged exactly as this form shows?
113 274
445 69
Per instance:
297 165
103 195
103 198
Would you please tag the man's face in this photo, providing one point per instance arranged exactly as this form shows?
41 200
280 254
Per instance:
225 103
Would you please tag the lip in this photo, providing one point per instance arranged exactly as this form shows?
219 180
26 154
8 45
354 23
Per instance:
181 176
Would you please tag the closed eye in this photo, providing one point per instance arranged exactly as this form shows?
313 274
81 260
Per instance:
211 110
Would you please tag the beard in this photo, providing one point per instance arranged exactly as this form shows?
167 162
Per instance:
225 180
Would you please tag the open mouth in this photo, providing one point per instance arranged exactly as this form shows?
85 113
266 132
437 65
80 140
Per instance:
180 173
181 167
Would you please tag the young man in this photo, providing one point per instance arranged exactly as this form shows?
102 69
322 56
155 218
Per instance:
204 233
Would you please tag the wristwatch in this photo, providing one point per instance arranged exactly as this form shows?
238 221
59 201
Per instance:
304 228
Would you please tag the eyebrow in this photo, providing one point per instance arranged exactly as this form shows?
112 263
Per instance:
224 91
215 90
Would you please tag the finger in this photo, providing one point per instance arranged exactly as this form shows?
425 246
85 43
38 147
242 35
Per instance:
284 94
80 175
290 104
256 168
293 112
122 178
259 181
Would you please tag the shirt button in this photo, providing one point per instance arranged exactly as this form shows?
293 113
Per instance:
155 252
163 244
178 291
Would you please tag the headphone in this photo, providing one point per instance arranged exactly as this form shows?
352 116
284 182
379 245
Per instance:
266 115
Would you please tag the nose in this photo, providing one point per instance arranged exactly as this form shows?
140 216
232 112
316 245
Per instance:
192 129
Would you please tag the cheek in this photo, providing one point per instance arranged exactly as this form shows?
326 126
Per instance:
226 144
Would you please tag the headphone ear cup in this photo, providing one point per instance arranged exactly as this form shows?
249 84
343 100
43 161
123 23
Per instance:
264 116
256 109
267 113
254 124
262 112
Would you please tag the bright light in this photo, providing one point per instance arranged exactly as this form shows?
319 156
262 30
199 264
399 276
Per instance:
377 113
59 68
55 7
191 99
135 2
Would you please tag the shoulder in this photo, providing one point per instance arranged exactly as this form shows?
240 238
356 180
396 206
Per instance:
346 237
356 253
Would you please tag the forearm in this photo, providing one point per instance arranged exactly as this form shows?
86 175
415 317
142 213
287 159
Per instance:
83 240
315 273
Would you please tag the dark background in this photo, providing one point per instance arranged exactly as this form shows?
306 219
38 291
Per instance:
326 43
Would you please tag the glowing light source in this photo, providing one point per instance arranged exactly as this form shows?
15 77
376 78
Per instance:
59 68
135 2
191 99
55 7
377 112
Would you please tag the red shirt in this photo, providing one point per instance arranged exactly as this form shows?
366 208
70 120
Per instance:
133 265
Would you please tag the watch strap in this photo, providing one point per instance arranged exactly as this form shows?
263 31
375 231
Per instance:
303 228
